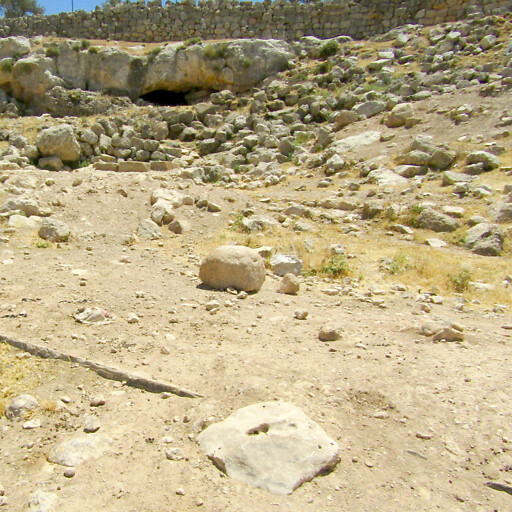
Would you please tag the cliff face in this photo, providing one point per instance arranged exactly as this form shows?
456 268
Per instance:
68 70
222 19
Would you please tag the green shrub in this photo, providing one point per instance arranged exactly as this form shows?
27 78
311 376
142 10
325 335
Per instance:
323 68
53 51
303 137
337 266
238 224
154 52
412 218
399 263
216 51
7 64
42 244
246 62
460 280
93 50
75 95
192 41
329 49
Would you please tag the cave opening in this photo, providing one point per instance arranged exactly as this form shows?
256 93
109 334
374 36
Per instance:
165 98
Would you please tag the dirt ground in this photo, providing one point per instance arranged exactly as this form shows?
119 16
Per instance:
421 425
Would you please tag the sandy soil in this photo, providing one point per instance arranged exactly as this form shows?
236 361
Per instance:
421 425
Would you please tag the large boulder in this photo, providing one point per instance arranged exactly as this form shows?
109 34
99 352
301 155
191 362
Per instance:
32 77
59 141
271 445
488 160
485 239
233 266
73 65
20 407
54 230
399 115
26 205
436 221
14 47
240 63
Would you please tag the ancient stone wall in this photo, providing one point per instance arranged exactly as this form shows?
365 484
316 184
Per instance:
217 19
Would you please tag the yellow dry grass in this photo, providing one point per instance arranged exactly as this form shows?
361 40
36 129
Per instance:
20 375
419 266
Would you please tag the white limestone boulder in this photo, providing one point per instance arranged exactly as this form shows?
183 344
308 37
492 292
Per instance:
271 445
232 266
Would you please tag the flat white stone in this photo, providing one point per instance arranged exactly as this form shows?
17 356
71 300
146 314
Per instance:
272 445
75 451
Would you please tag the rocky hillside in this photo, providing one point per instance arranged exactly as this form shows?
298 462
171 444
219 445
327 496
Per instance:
358 313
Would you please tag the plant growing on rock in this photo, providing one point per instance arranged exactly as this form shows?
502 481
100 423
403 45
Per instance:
328 49
154 52
323 68
7 64
53 51
216 51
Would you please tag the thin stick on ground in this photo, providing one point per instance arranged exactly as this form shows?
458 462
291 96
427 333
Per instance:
102 370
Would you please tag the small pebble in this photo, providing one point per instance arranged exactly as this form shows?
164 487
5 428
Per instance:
180 492
132 318
97 401
175 454
91 424
69 472
300 314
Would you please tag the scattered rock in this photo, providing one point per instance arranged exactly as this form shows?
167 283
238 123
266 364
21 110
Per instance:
59 141
91 424
282 264
399 115
329 333
20 407
54 230
42 501
448 334
289 285
93 316
148 230
300 314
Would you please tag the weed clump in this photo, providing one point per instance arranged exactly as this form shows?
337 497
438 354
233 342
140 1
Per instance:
460 281
216 51
53 51
6 65
329 49
238 224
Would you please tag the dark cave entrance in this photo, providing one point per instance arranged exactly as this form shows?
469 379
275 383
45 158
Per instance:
165 98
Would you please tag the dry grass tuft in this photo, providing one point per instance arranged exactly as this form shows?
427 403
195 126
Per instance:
19 375
451 272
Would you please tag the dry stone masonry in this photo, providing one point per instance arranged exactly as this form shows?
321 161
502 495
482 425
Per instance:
136 21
